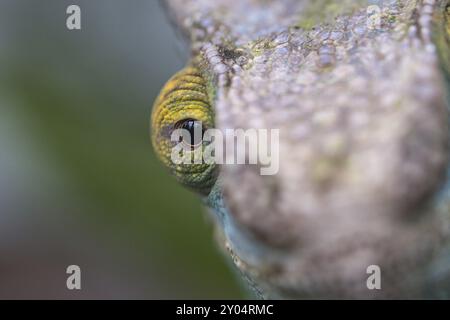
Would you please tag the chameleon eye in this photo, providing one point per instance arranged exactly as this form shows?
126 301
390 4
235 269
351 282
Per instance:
194 130
184 103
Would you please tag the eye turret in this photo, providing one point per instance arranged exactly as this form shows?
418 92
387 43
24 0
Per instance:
184 103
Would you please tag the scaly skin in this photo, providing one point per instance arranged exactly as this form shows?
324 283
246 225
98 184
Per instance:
364 135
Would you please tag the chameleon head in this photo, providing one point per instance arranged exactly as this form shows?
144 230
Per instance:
363 149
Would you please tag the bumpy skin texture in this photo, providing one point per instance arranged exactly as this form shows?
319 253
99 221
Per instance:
363 121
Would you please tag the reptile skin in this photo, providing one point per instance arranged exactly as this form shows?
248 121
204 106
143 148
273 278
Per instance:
362 111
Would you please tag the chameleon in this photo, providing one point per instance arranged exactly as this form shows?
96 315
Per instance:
359 93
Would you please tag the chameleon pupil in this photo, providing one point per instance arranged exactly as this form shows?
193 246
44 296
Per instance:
194 131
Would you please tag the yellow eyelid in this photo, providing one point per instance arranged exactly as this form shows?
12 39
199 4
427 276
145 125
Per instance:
184 96
186 92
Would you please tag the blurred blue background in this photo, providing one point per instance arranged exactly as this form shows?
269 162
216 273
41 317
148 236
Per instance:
79 182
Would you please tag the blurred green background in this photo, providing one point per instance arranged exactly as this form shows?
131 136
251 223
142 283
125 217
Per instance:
79 182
